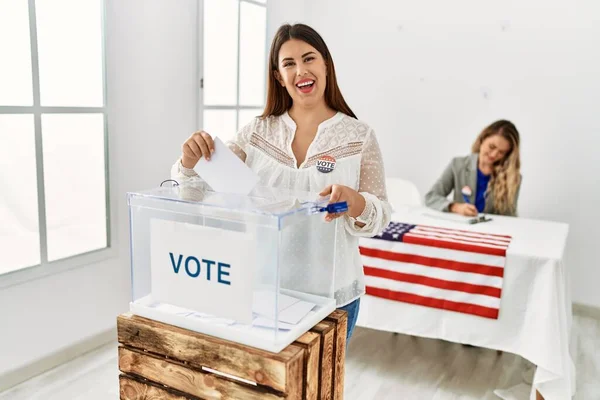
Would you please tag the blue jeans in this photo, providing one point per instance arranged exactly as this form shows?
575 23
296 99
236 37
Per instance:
352 310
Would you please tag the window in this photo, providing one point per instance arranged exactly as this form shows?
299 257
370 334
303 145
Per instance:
53 168
234 64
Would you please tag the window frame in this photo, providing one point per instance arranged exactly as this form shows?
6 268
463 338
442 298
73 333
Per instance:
45 267
200 34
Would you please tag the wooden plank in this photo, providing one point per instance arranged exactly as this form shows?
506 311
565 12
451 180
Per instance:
281 371
131 388
185 379
326 330
311 342
340 318
295 376
538 396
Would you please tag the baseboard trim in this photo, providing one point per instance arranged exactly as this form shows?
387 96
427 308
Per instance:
584 310
14 377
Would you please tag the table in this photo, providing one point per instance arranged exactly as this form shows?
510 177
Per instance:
535 313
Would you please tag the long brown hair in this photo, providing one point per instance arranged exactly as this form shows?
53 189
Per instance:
278 99
506 175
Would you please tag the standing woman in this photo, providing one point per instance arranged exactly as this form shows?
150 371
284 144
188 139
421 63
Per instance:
486 181
306 119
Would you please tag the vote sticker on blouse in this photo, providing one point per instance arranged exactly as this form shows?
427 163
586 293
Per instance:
325 164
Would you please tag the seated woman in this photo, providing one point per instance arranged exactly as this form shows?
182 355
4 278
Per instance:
487 181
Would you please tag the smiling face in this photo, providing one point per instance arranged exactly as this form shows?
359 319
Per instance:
494 149
303 72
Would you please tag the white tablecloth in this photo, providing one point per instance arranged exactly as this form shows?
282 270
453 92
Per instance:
535 313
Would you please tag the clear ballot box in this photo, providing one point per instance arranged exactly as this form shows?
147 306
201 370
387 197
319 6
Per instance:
257 269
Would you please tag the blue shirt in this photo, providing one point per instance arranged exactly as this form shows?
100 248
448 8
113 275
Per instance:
482 184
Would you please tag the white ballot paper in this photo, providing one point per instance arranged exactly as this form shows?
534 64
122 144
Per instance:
225 172
291 310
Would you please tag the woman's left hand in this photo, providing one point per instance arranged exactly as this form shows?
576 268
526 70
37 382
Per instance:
356 202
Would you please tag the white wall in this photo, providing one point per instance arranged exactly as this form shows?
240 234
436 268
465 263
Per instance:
281 12
152 58
429 75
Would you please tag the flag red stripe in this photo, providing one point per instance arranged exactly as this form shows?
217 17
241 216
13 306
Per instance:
464 308
433 262
462 239
464 231
407 238
433 282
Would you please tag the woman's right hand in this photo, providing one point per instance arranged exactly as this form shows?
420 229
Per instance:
199 145
466 209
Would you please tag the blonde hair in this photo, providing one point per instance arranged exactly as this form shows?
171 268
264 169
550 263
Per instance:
506 175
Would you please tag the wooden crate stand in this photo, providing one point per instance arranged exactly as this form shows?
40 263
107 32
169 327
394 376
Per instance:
160 361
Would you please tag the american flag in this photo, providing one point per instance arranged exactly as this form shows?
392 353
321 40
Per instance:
450 269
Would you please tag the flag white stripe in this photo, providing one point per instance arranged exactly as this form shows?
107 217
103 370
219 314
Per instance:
475 235
432 272
436 293
489 246
459 237
433 252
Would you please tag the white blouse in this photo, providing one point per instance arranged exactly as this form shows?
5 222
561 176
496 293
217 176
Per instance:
265 145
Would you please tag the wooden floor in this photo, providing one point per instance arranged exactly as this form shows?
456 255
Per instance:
380 366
